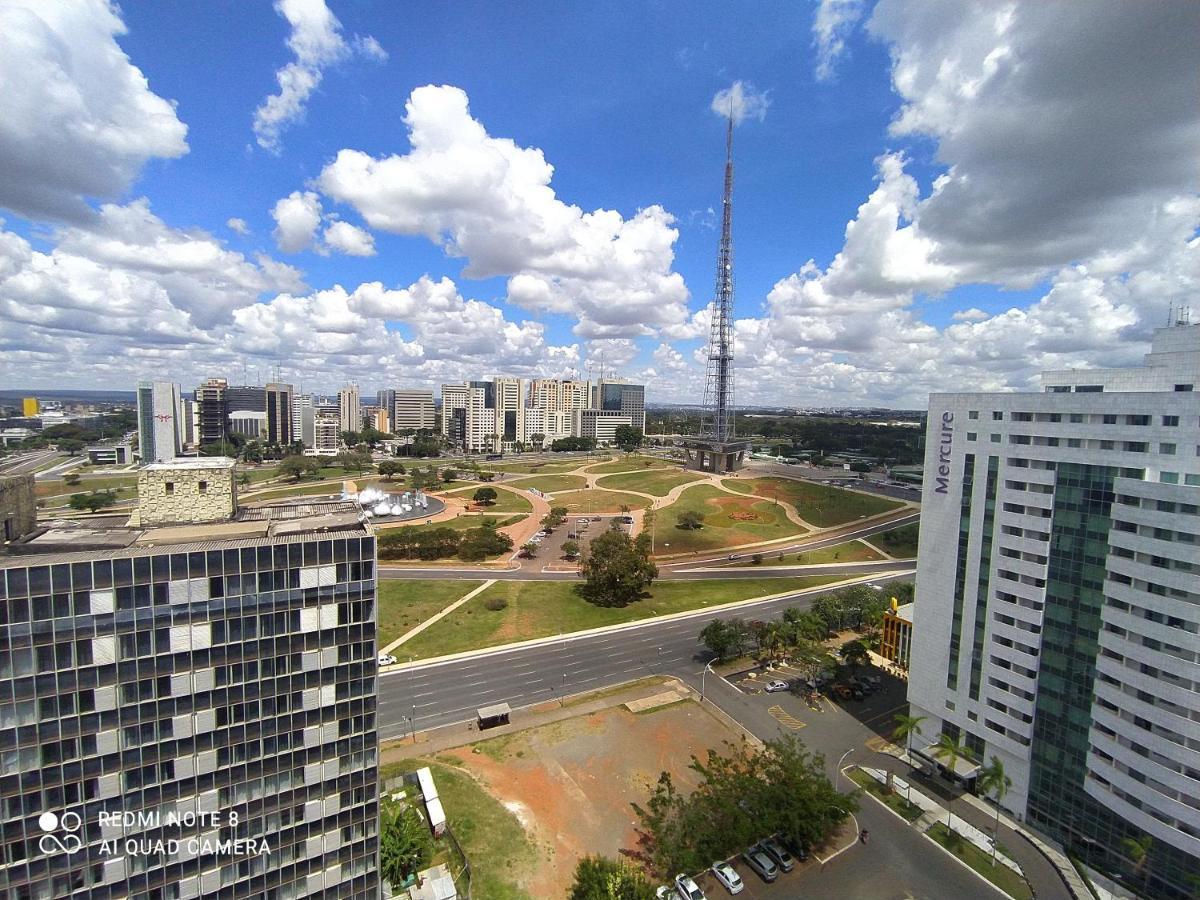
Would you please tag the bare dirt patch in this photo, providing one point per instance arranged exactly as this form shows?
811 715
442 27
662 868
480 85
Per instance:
571 783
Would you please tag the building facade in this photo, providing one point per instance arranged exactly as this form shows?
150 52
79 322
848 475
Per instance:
196 716
160 421
303 422
1060 544
278 408
327 431
599 425
412 409
212 411
18 508
350 408
247 424
617 397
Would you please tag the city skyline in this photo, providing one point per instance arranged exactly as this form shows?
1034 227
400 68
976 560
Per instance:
903 225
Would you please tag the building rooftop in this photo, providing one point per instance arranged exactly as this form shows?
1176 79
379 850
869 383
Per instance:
191 462
73 540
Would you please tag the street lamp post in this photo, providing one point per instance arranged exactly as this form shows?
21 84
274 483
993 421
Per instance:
702 674
842 760
412 723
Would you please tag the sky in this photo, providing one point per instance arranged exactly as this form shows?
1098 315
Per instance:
930 195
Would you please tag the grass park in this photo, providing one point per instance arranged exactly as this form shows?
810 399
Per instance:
633 463
550 484
401 608
657 483
536 609
542 468
818 504
599 501
729 521
899 542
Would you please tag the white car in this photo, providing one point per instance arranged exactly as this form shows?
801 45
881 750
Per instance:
386 659
774 687
665 892
687 889
728 876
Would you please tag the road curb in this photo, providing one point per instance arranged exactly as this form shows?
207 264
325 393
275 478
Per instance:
641 623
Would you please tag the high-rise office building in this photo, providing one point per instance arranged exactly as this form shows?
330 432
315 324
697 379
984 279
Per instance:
559 394
1060 542
246 398
214 690
455 399
619 398
598 424
386 399
509 427
279 414
160 421
212 411
350 408
303 428
412 409
327 430
30 406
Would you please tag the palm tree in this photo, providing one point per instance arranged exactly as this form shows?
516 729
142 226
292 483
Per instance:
906 727
995 781
952 749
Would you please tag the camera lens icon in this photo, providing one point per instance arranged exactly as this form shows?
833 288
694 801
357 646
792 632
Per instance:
52 842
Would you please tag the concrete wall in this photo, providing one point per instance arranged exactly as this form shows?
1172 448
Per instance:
18 511
172 496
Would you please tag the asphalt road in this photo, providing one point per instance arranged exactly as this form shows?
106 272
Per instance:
27 463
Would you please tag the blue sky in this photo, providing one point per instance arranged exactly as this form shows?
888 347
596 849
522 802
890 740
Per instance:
921 156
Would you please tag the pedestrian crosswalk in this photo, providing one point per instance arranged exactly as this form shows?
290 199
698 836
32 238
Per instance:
786 719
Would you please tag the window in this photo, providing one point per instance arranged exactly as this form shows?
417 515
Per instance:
997 415
169 487
1170 421
973 414
1166 449
1168 477
203 487
1183 388
971 435
1076 418
1110 419
995 438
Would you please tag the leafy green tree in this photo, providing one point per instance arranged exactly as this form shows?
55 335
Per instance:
389 468
372 436
1137 851
573 444
855 654
71 478
405 846
93 501
571 549
627 437
804 624
690 519
448 475
354 460
906 727
949 750
485 496
480 543
296 467
995 781
725 637
537 439
529 550
351 438
600 878
617 570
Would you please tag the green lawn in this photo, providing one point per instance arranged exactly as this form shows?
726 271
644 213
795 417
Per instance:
895 800
550 484
500 852
1000 875
126 484
729 521
599 501
540 468
656 482
403 604
258 474
851 551
899 542
462 523
820 504
544 608
301 490
633 463
506 501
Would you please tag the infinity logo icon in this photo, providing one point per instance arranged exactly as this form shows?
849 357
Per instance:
69 842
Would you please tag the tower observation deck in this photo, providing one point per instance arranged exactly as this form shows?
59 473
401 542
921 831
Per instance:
716 448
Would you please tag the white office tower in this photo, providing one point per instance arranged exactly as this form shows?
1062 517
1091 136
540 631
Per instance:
303 422
160 421
483 416
510 413
559 394
411 409
350 408
1058 605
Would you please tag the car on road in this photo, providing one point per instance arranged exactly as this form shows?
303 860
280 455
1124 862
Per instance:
687 889
764 867
775 686
386 659
779 853
728 876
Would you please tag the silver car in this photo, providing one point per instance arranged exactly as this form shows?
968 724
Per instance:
762 864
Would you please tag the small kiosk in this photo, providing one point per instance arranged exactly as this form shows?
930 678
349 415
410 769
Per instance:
491 716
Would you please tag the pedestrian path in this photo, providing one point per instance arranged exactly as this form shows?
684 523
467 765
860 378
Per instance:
437 617
933 812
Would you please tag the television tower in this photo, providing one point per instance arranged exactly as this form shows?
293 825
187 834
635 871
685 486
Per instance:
715 448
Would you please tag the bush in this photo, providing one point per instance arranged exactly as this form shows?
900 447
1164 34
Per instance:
495 604
756 559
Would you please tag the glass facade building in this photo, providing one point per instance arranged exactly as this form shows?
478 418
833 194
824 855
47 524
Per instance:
220 696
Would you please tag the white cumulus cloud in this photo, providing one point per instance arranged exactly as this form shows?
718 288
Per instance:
832 22
742 101
297 217
349 239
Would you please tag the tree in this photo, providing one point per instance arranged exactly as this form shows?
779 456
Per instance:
296 467
781 788
906 727
485 496
351 438
600 878
405 846
568 444
71 478
855 654
995 781
617 570
627 437
480 543
448 475
952 749
690 519
571 549
354 460
725 637
93 501
529 550
420 479
390 468
537 439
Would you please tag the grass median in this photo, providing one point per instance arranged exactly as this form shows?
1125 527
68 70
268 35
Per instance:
535 609
1000 875
633 463
893 801
405 604
549 484
729 521
820 504
899 542
658 483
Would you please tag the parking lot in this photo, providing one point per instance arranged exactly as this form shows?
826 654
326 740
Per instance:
581 529
802 881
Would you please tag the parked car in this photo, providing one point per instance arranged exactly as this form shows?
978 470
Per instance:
687 889
664 892
763 866
797 849
774 687
728 876
857 692
386 659
779 853
841 692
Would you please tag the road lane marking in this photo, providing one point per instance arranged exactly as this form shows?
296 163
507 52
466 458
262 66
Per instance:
786 719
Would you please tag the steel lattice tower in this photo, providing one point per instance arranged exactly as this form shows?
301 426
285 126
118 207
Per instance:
717 423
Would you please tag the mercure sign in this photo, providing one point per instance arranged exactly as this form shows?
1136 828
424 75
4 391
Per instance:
945 443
